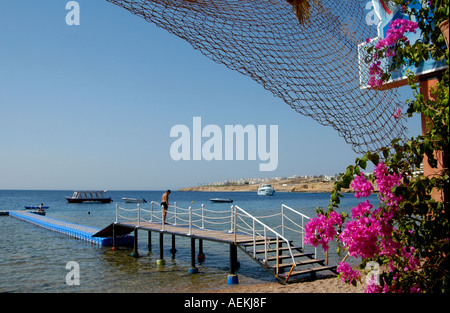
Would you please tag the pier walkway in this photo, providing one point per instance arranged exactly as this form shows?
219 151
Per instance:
267 245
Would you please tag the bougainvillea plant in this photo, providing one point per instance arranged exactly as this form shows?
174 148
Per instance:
406 232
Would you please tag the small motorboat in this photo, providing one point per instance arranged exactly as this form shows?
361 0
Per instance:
221 200
35 207
134 200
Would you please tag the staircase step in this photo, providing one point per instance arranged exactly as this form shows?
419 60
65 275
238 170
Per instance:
279 249
287 256
309 271
299 263
258 243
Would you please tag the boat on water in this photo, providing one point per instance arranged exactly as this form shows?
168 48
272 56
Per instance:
81 196
266 190
221 200
35 207
134 200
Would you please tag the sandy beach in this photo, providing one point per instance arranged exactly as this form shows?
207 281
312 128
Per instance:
325 284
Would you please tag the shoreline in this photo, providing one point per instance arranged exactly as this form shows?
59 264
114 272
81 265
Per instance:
288 185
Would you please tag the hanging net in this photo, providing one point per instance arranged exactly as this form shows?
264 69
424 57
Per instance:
313 67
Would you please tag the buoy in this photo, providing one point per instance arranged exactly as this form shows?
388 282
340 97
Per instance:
160 262
201 257
232 279
193 270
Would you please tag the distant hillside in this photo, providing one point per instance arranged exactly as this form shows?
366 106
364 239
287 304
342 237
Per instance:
287 185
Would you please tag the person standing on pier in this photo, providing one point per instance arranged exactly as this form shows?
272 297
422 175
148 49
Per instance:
165 204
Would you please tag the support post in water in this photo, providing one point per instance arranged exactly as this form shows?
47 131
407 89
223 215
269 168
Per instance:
200 255
232 279
135 253
161 261
114 237
193 269
173 250
149 241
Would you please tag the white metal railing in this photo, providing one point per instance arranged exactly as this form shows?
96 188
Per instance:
177 216
267 234
235 220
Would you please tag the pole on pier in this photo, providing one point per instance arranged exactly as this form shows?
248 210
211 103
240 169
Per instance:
149 241
173 250
193 269
161 261
114 247
200 255
232 279
135 253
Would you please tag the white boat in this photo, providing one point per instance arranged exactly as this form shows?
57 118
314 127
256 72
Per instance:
80 196
221 200
134 200
266 190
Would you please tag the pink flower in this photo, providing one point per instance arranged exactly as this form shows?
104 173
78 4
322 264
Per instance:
413 261
385 183
321 230
395 34
362 209
398 114
360 237
347 274
361 186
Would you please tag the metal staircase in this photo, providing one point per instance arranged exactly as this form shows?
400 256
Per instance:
274 252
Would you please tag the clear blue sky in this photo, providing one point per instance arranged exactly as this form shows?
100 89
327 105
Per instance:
91 106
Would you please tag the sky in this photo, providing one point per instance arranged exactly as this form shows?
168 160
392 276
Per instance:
91 106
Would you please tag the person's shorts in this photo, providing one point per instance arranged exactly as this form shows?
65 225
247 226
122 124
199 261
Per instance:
164 205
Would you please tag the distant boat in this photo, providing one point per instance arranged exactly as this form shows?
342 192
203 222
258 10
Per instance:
220 200
35 207
134 200
266 190
80 196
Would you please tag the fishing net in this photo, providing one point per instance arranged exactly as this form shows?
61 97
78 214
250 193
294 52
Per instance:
313 67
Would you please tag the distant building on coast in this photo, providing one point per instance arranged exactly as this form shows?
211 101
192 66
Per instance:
260 180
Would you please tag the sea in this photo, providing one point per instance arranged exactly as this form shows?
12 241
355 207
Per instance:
35 260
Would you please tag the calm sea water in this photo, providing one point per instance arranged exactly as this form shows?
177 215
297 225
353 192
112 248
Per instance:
33 259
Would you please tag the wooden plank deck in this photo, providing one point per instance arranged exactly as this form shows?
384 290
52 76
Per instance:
197 233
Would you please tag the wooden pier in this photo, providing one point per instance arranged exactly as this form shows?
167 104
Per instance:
268 248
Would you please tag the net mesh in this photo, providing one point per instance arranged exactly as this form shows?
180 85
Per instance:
313 67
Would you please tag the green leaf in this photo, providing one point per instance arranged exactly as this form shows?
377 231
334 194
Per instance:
362 164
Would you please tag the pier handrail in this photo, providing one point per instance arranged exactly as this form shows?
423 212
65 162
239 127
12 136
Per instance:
176 216
301 227
199 217
238 212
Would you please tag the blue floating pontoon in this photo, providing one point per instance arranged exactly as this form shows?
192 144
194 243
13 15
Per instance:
78 231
